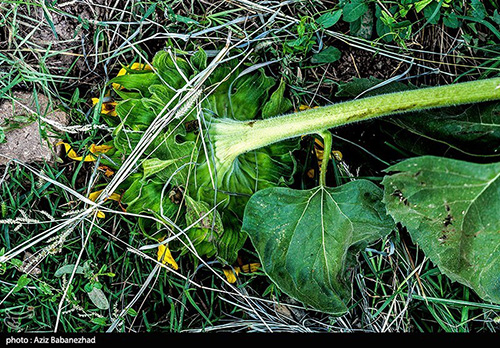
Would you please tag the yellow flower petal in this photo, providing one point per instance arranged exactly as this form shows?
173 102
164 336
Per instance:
164 256
122 72
319 154
337 154
318 148
306 107
107 171
114 196
94 195
250 268
109 108
100 214
97 149
140 66
230 274
72 154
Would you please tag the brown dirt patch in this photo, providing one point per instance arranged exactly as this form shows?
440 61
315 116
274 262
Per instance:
25 142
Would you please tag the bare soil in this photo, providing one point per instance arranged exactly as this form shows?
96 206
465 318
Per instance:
25 143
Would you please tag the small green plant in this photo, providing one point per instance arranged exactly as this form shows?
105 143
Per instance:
305 37
398 21
213 165
93 287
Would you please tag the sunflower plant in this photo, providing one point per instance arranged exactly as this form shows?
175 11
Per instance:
219 171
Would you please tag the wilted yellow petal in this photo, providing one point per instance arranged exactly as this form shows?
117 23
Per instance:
140 66
231 274
94 195
97 149
100 214
164 256
337 154
107 171
306 107
134 66
318 148
114 196
319 154
72 154
251 267
109 108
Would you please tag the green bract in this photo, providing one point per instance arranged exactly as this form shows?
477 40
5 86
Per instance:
178 181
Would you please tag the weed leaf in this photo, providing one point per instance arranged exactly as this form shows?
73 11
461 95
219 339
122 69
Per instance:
98 298
21 283
354 10
68 269
329 19
450 209
328 55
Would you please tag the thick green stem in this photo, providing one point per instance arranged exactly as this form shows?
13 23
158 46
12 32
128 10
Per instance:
234 137
327 150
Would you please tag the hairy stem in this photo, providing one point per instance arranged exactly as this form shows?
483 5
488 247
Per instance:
327 149
233 138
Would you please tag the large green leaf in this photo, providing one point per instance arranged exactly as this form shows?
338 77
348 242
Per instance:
137 81
473 130
173 71
145 196
307 239
135 113
205 228
451 209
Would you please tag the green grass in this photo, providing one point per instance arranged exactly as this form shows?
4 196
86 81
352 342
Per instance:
396 290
